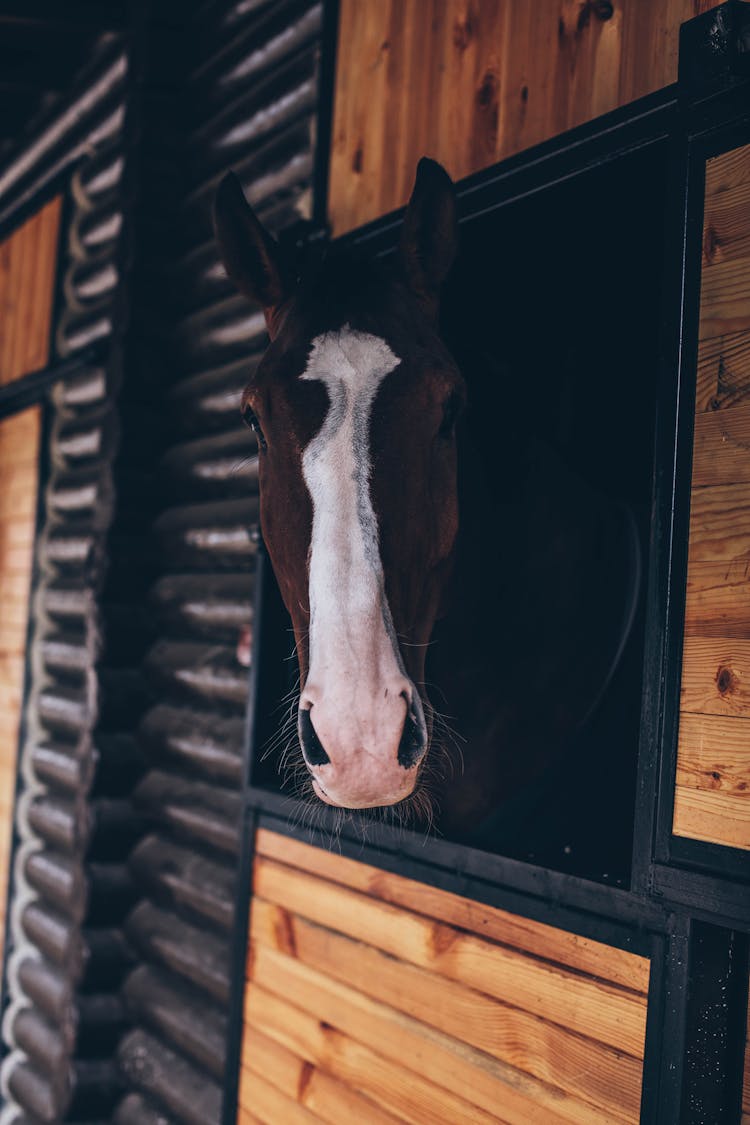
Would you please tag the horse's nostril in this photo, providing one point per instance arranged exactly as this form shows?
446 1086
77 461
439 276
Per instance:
413 739
312 748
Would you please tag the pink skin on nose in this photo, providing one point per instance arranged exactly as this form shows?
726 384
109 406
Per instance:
360 730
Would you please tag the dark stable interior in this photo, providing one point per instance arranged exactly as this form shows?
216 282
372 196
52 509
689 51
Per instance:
553 313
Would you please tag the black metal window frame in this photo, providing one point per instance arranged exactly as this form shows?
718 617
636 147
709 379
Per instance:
677 885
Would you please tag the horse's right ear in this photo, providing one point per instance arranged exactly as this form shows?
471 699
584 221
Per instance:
429 236
251 256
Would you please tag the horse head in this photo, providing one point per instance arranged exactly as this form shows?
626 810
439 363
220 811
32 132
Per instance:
354 405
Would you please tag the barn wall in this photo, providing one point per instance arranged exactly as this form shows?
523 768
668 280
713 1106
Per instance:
374 998
713 766
249 79
27 276
470 82
66 952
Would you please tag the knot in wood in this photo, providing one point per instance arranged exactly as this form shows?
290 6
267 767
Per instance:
725 680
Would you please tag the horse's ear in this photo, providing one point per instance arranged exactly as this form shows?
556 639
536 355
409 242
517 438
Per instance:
251 256
429 236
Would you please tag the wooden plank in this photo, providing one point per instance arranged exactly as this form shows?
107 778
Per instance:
264 1101
27 295
402 1092
27 277
714 754
470 84
246 1118
720 523
725 281
583 1068
716 676
721 449
718 600
590 1006
717 818
548 942
723 372
440 1058
724 298
294 1075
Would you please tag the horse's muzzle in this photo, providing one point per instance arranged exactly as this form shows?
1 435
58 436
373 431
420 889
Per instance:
364 759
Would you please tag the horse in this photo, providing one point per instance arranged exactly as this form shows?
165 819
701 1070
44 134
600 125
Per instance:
374 515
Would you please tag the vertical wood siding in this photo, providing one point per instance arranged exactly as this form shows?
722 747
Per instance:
374 998
470 82
27 275
712 800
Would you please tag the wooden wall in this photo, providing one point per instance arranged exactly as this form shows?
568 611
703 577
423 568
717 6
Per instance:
712 800
469 82
376 999
27 274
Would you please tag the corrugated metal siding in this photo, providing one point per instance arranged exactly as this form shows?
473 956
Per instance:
74 828
250 103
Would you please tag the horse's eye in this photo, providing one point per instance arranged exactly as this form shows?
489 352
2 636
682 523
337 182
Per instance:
451 411
250 419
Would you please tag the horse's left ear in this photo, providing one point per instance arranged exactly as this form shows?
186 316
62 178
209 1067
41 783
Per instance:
251 256
429 236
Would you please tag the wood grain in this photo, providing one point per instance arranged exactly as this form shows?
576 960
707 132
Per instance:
326 1097
715 676
723 372
721 450
402 1092
27 274
591 1007
429 1006
548 942
580 1067
440 1058
713 756
471 83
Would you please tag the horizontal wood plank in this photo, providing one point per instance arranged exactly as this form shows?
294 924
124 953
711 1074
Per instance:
718 600
716 676
720 523
716 817
402 1092
589 1006
548 942
585 1069
324 1096
724 303
263 1100
442 1059
723 380
714 754
722 447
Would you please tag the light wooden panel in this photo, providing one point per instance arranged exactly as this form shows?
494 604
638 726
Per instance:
712 800
470 82
27 273
374 998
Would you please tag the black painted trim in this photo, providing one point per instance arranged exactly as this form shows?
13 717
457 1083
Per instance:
34 387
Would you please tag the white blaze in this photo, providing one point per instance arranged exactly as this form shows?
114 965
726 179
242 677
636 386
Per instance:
350 625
